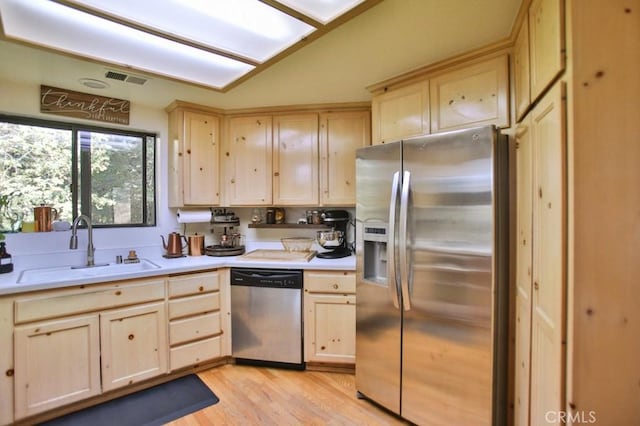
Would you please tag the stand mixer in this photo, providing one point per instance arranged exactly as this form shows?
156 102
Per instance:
334 240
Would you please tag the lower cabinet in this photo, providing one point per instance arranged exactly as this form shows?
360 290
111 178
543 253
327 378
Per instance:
75 343
133 344
71 344
329 317
195 318
56 362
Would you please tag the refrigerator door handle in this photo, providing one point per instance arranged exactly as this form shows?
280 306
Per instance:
404 265
391 242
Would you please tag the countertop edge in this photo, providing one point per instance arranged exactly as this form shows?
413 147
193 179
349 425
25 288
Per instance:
189 264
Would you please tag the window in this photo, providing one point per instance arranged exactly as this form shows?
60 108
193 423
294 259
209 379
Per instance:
107 174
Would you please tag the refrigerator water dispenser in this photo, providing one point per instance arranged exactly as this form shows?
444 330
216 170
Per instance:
375 252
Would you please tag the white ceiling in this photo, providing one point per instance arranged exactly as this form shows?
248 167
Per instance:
391 38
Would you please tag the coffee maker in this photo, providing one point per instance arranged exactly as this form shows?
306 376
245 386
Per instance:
334 240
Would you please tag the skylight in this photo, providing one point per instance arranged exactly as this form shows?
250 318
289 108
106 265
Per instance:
211 43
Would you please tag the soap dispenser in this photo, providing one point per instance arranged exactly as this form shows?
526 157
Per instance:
6 265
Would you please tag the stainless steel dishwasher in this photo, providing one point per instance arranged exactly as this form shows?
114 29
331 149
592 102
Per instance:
266 317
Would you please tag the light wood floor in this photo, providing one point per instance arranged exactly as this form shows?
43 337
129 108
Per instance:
265 396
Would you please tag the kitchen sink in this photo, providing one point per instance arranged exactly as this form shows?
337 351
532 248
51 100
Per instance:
64 273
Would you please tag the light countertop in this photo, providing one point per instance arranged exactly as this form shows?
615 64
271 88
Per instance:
9 282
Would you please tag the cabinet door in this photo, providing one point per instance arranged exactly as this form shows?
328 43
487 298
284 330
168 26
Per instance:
521 70
475 95
56 363
524 182
201 159
330 328
546 35
341 134
134 344
249 158
549 257
295 160
400 113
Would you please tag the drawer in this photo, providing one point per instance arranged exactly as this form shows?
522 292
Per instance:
194 284
194 353
330 281
194 305
184 330
69 302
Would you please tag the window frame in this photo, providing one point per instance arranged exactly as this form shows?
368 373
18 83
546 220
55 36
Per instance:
75 129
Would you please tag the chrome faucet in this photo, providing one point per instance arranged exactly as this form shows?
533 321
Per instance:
73 243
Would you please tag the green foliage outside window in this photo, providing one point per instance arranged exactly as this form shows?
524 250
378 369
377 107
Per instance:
106 174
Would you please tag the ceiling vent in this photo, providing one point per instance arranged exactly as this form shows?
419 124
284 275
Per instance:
128 78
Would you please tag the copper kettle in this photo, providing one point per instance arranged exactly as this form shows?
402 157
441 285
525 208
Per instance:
174 246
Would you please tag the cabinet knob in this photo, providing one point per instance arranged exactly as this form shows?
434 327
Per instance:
118 293
335 286
201 288
131 337
188 151
9 372
276 174
535 285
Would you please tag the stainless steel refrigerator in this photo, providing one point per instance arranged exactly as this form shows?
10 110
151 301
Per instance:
432 276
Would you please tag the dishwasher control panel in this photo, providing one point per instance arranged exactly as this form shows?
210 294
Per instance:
273 278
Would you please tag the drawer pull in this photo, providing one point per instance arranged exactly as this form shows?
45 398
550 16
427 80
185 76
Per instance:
131 337
335 286
201 288
118 293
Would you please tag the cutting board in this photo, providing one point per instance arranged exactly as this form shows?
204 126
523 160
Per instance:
279 255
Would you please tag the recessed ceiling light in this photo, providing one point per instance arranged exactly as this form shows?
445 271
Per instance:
93 83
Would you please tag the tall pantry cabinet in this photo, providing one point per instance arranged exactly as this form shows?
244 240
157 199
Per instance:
541 216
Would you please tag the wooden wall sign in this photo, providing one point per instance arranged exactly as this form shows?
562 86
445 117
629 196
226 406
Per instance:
54 100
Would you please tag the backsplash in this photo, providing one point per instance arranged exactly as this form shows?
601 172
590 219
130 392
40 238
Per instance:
34 243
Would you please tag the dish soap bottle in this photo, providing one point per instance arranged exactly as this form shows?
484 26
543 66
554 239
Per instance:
6 265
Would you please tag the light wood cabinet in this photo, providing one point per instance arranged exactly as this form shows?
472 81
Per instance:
524 254
295 160
56 362
248 160
521 86
548 314
199 321
341 134
546 44
133 344
400 113
69 344
194 151
329 317
477 94
541 261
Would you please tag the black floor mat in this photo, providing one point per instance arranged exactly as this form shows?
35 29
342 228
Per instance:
153 406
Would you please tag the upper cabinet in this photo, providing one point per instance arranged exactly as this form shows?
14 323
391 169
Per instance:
295 159
474 95
442 98
521 85
248 156
400 113
194 151
538 52
341 134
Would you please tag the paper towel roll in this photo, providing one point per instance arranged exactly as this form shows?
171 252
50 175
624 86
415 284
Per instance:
194 216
